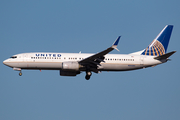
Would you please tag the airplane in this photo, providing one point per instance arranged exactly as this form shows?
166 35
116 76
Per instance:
72 64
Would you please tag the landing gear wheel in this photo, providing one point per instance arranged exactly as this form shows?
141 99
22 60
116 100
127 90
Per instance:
87 77
20 73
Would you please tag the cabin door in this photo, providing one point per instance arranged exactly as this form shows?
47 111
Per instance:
141 60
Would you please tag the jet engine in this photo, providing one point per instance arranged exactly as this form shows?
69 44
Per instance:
70 66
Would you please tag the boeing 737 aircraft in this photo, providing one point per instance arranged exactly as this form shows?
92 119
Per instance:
72 64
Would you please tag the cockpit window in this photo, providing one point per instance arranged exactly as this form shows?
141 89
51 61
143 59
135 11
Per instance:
13 57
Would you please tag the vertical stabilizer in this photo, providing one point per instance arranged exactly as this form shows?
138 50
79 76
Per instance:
160 44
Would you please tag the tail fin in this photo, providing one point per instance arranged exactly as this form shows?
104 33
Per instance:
160 43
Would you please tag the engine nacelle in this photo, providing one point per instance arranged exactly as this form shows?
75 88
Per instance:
70 66
69 73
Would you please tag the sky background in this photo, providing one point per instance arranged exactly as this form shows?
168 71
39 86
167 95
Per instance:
89 27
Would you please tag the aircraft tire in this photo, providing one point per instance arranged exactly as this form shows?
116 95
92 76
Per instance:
87 77
20 74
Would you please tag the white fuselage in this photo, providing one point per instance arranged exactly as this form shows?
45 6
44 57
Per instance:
53 61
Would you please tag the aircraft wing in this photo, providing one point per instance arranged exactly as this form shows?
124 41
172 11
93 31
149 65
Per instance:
95 59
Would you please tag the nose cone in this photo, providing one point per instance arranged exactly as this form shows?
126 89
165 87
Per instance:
5 62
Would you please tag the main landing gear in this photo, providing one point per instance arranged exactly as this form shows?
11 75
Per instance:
88 75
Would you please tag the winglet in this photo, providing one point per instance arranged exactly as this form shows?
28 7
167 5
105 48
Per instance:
114 45
116 42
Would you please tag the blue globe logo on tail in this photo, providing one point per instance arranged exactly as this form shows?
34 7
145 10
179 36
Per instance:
160 43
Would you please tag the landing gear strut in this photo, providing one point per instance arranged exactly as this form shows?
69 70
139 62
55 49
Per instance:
88 75
18 69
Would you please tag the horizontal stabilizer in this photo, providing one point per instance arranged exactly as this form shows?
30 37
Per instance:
165 56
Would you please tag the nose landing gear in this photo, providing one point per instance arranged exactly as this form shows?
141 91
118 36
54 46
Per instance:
18 69
20 73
